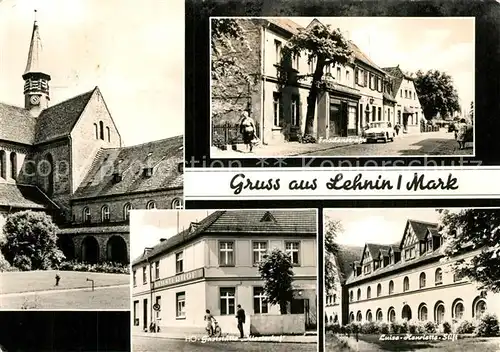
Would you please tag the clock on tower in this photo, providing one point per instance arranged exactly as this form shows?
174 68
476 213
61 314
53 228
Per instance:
35 99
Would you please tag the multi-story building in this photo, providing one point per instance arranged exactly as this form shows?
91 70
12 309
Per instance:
412 280
409 113
352 95
214 265
68 160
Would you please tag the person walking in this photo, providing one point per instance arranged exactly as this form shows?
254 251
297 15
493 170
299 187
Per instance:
240 315
461 132
247 129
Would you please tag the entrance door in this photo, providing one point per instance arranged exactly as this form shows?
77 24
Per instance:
335 117
145 314
405 122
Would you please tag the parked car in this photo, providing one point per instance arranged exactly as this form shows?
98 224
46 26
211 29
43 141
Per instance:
379 130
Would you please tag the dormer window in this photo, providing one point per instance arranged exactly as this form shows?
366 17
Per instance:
151 205
86 215
117 177
180 167
268 217
105 214
147 171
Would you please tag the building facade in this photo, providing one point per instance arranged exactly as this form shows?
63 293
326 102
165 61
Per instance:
352 95
409 113
412 280
68 160
214 265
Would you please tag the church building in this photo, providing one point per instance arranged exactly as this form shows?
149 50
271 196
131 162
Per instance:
68 160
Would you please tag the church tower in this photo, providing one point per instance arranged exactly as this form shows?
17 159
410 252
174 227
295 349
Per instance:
36 80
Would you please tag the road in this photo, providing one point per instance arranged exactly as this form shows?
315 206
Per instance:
430 143
146 344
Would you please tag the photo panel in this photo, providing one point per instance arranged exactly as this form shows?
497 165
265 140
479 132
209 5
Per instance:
60 331
411 278
241 279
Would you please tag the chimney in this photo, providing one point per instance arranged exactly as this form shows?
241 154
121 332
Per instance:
193 226
163 239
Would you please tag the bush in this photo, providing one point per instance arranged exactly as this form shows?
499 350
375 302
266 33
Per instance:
382 327
5 265
307 139
415 327
465 327
22 262
446 327
430 327
334 328
368 327
218 141
110 268
399 327
488 326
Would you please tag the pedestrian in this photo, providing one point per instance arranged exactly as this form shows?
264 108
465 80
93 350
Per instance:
460 133
397 127
240 315
247 129
208 318
57 279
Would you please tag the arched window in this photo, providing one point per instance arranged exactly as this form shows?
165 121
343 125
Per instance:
3 164
379 315
101 130
369 292
438 278
151 205
406 284
439 312
391 287
478 307
86 215
126 211
379 290
422 280
105 213
13 165
351 317
351 296
422 312
96 129
177 204
369 316
359 294
391 315
359 316
406 312
108 132
457 309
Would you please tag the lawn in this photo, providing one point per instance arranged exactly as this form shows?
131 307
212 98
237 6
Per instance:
31 281
101 298
466 344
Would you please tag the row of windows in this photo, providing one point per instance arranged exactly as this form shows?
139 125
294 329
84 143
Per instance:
226 257
105 212
331 299
99 131
457 312
408 94
438 280
3 165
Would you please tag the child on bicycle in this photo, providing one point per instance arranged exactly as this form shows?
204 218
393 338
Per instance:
209 318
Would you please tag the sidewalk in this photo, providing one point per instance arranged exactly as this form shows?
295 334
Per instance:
197 336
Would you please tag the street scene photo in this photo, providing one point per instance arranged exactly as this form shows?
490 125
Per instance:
217 280
70 169
342 87
404 279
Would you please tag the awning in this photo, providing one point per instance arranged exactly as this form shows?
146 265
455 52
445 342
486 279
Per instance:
407 110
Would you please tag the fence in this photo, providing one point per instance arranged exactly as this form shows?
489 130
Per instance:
429 128
229 133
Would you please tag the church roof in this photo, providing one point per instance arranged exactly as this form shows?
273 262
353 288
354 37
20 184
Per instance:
35 63
17 124
24 196
59 120
164 156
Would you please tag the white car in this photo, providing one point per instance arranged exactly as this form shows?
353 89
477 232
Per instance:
379 130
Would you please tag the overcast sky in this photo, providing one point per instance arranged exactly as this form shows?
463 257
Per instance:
134 52
445 44
377 225
148 226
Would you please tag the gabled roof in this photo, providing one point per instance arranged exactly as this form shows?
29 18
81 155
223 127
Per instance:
59 120
24 196
241 222
346 256
163 156
420 227
286 24
16 124
374 249
361 56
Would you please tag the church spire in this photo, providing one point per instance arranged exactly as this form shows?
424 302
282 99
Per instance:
36 87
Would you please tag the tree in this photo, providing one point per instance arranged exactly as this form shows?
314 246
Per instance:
323 46
276 271
332 229
30 241
470 229
231 80
436 93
